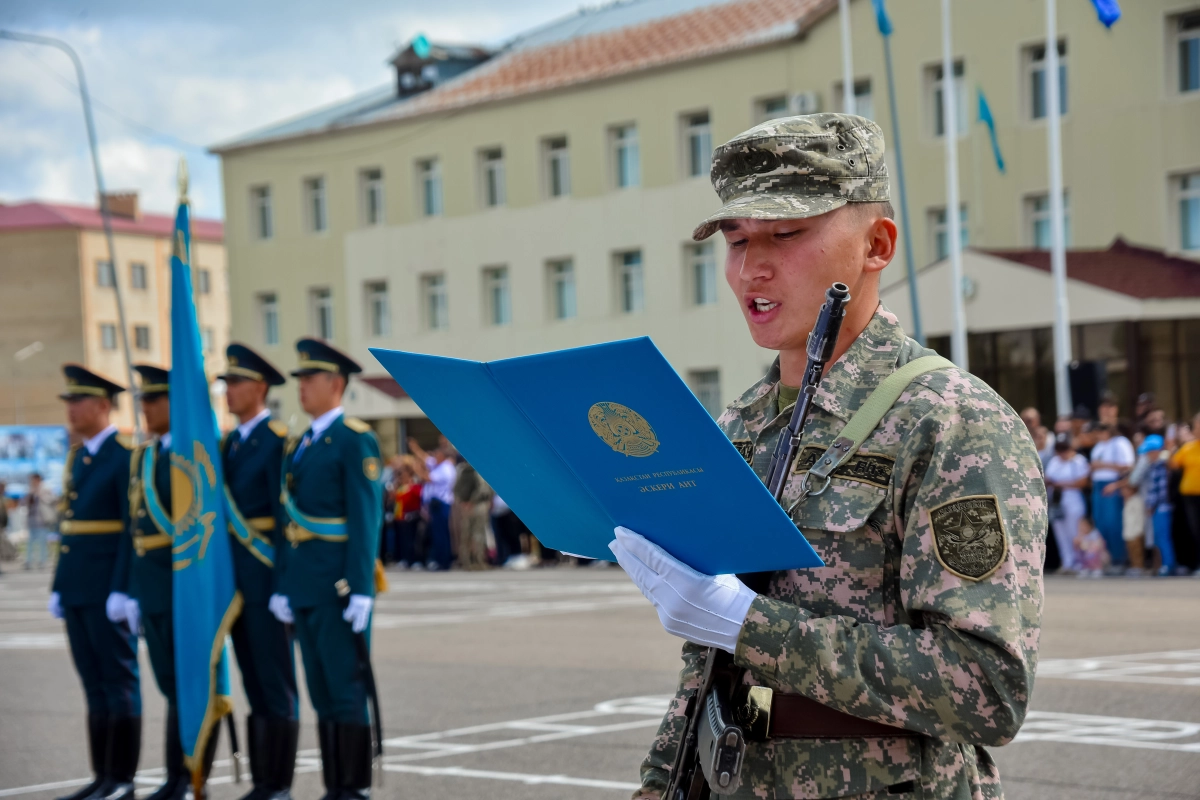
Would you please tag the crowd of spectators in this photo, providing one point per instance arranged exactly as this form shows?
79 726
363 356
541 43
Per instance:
1124 493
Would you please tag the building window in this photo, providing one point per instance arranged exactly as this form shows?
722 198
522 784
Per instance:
206 339
706 385
137 275
626 157
371 189
701 273
141 337
436 302
864 104
771 108
1034 56
320 303
556 165
934 87
630 293
379 322
491 167
108 336
268 311
203 281
937 223
314 204
262 221
105 276
1189 211
697 144
1037 212
429 186
561 277
1186 30
497 296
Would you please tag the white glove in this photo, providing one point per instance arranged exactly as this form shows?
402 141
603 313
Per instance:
55 606
705 609
278 605
133 615
114 607
358 612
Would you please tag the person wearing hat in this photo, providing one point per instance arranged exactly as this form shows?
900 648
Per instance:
91 583
333 499
895 665
252 457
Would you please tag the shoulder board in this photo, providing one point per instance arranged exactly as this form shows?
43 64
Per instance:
280 429
355 424
125 440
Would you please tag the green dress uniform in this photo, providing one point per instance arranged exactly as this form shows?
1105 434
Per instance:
91 565
333 497
252 467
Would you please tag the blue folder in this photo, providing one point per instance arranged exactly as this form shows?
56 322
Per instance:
580 441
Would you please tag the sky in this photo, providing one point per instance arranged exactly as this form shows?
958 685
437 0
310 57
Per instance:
170 79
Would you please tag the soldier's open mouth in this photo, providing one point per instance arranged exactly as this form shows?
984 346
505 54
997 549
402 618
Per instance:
760 306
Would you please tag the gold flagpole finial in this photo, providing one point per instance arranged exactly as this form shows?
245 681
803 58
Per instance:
183 180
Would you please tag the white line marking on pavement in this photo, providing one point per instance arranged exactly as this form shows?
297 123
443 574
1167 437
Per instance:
1171 667
1149 734
32 641
519 777
494 611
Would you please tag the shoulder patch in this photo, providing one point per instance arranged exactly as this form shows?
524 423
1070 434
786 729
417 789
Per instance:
969 537
746 448
371 468
278 428
355 424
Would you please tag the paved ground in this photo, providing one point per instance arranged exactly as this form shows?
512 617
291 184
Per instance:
550 684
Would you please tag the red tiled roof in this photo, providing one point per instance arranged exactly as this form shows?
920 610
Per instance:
386 384
704 32
1132 270
37 215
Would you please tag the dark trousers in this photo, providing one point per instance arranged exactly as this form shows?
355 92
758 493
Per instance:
507 528
105 655
439 534
406 540
1191 510
265 657
159 629
331 664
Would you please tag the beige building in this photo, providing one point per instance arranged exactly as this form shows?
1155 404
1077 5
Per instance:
542 196
58 290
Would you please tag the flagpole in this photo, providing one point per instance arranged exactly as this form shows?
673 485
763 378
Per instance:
1058 253
918 331
847 58
958 331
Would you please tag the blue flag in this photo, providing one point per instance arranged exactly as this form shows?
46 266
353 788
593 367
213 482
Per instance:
985 116
881 18
206 600
1108 11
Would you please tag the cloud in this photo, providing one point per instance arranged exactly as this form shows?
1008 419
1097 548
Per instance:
171 79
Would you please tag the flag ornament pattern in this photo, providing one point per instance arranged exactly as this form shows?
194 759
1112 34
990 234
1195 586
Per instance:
206 600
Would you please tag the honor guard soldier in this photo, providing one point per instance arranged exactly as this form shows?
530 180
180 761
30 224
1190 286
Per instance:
91 583
252 456
333 498
889 670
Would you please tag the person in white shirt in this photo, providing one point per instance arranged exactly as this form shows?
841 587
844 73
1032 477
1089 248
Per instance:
1112 459
1067 473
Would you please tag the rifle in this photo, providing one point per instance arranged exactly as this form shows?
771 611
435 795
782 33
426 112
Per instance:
709 757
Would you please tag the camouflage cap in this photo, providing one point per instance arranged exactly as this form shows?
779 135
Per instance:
798 167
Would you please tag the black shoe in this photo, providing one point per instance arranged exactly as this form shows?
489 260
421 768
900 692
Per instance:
327 737
177 782
124 747
97 728
354 761
282 737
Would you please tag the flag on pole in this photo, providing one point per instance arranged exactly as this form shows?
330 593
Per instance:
881 18
206 601
1108 11
985 116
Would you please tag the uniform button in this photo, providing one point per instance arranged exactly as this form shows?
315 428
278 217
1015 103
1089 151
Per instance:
328 440
74 495
69 513
64 549
141 512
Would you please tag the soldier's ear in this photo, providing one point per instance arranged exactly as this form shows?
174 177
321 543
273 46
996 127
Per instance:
880 244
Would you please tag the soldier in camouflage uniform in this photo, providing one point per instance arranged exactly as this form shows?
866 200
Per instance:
924 622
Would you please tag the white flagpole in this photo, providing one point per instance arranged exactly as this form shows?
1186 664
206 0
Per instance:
847 58
958 332
1058 252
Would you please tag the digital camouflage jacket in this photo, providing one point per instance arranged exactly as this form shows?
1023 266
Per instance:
927 613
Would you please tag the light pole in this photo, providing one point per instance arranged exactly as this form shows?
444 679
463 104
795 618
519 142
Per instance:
33 38
22 355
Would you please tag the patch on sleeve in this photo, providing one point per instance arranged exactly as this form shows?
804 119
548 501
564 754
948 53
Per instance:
968 536
746 448
371 468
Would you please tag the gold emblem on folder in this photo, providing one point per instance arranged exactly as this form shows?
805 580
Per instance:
623 429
